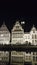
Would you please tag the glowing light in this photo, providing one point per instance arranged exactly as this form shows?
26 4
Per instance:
22 22
1 34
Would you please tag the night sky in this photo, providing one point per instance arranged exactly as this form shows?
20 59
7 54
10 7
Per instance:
26 11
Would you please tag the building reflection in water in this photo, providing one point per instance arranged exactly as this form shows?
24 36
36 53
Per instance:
18 36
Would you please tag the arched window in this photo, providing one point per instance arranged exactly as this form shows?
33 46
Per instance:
32 36
35 36
33 31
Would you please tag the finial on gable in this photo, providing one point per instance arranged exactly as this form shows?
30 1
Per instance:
17 22
33 25
33 28
3 22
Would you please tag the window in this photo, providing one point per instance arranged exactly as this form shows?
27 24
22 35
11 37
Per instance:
5 58
36 53
33 41
33 53
32 36
34 31
29 57
14 53
26 57
20 53
35 36
25 37
34 58
17 27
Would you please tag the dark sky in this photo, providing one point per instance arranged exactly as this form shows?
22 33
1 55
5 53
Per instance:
26 11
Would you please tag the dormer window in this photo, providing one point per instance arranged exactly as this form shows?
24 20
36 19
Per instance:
33 31
17 26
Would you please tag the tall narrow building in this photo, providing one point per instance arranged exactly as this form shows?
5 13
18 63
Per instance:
33 34
17 34
17 38
4 39
4 34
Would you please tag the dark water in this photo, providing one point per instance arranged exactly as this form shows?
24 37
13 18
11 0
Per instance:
26 63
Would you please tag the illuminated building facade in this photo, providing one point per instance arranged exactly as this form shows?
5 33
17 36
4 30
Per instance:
4 34
4 39
17 34
18 38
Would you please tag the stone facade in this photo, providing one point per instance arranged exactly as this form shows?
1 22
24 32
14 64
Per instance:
4 34
4 39
18 36
26 36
